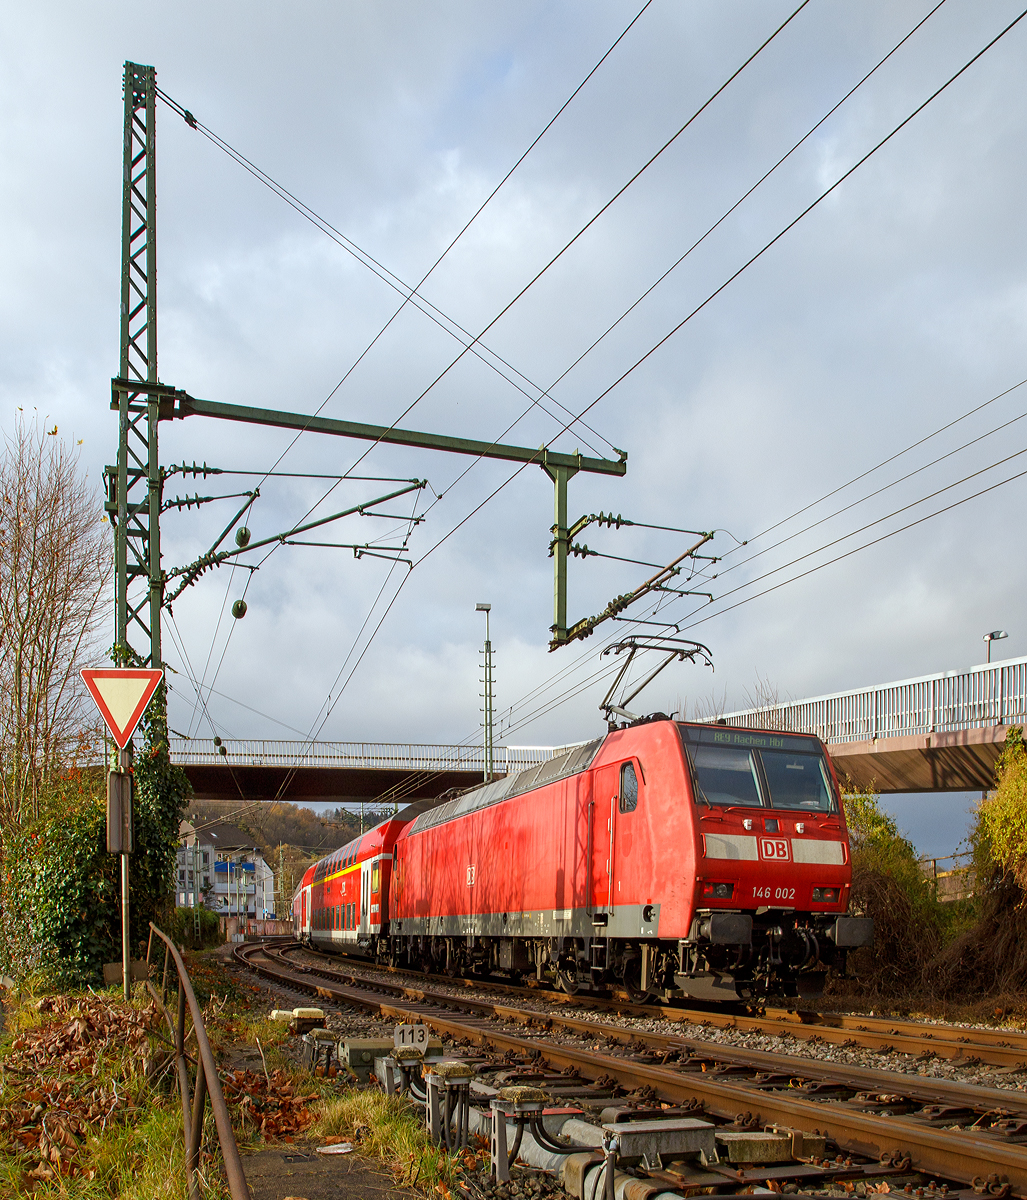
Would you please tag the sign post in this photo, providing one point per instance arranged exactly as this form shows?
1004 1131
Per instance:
121 695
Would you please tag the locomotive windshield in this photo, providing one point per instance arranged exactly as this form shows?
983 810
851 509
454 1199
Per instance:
797 780
727 775
757 770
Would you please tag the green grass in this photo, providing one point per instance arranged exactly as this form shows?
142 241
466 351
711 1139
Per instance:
391 1129
136 1154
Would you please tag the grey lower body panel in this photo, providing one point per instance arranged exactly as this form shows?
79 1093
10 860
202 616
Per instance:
342 941
627 921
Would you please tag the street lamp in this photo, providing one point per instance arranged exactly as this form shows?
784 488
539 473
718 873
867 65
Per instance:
488 696
996 635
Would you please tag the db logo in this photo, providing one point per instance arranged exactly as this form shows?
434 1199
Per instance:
470 875
775 849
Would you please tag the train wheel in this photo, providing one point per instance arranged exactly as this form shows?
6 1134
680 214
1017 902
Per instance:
633 981
567 981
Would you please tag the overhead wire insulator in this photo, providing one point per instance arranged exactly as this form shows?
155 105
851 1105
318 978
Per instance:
194 470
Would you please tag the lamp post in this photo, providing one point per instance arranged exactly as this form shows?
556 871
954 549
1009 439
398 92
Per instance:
488 765
996 635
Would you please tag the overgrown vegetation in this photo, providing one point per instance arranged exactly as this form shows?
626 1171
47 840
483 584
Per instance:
85 1110
58 887
990 956
390 1129
180 926
889 886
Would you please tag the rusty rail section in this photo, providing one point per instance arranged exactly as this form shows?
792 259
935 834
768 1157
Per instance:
206 1084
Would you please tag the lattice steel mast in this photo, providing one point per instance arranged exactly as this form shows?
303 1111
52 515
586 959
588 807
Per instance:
134 485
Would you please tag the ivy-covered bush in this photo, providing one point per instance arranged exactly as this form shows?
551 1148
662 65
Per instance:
159 792
60 910
59 889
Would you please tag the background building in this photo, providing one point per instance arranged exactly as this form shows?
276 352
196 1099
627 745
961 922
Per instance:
220 867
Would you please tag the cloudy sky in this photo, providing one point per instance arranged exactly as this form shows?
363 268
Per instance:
893 308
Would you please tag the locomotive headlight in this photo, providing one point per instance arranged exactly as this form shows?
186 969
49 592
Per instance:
825 895
718 891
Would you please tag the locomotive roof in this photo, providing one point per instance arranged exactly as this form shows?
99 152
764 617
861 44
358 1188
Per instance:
563 765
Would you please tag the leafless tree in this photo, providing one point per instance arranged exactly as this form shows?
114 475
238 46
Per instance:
769 708
56 567
709 709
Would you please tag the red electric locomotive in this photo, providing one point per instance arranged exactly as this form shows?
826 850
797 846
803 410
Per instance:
672 858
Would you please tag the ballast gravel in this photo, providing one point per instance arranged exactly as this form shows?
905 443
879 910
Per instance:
980 1074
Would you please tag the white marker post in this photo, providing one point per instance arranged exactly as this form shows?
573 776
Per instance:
121 695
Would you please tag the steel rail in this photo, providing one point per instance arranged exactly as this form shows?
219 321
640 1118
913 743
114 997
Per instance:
951 1153
207 1085
1001 1048
858 1022
925 1090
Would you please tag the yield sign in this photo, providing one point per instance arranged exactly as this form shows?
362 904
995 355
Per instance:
121 695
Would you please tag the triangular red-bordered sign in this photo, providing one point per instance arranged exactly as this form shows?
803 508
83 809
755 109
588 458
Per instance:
121 695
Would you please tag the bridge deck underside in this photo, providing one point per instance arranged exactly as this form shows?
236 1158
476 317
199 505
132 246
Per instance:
321 784
961 761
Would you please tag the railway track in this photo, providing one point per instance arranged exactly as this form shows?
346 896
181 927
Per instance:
975 1137
999 1048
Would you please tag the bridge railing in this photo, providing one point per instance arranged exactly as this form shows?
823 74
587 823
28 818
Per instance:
382 756
995 694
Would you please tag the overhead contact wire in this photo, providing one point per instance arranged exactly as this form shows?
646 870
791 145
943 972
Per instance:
741 200
866 546
862 529
862 500
805 212
592 220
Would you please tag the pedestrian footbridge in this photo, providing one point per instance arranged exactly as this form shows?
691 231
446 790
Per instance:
938 733
378 773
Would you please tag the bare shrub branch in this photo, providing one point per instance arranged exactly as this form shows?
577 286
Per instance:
56 567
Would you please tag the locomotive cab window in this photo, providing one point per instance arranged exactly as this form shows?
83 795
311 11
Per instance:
798 781
727 775
750 769
628 788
